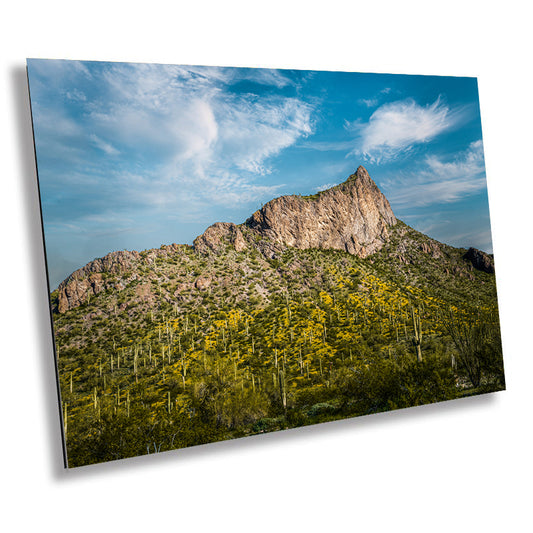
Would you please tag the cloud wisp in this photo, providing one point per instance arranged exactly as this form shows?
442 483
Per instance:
167 134
395 127
324 187
436 181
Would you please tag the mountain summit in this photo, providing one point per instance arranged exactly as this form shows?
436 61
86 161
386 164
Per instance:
354 217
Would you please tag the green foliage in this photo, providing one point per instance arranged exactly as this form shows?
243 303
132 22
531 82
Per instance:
476 338
307 337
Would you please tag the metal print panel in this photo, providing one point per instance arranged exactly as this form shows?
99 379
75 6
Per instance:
233 251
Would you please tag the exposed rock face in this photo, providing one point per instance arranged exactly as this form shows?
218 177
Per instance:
114 263
431 247
353 216
113 271
480 260
219 235
89 281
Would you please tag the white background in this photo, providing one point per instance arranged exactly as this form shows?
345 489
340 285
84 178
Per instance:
461 466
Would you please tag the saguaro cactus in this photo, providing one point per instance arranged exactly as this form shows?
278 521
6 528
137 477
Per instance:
65 418
282 389
417 335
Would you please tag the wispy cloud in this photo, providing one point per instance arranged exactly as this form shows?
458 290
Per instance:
104 146
456 227
209 134
76 95
178 135
252 132
369 102
327 146
268 77
324 187
437 181
394 128
375 100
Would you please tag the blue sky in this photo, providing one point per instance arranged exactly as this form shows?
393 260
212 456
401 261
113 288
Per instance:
132 156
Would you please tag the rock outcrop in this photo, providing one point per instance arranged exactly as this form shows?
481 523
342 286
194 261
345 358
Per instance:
216 237
432 248
353 216
89 280
480 260
113 271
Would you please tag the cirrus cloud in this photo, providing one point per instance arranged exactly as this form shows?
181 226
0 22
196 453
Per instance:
164 127
395 127
439 181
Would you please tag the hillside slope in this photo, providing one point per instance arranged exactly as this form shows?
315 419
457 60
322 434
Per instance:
260 327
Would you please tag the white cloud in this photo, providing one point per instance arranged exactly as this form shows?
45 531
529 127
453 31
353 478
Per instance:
174 142
327 146
369 102
439 181
271 77
430 193
198 133
252 132
104 146
194 130
396 127
76 95
469 163
324 187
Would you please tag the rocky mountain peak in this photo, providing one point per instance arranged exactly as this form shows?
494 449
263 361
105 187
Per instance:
353 216
361 173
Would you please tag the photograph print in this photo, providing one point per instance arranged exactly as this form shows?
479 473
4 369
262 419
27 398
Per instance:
236 251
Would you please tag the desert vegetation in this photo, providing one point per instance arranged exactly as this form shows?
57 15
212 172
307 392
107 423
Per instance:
264 344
